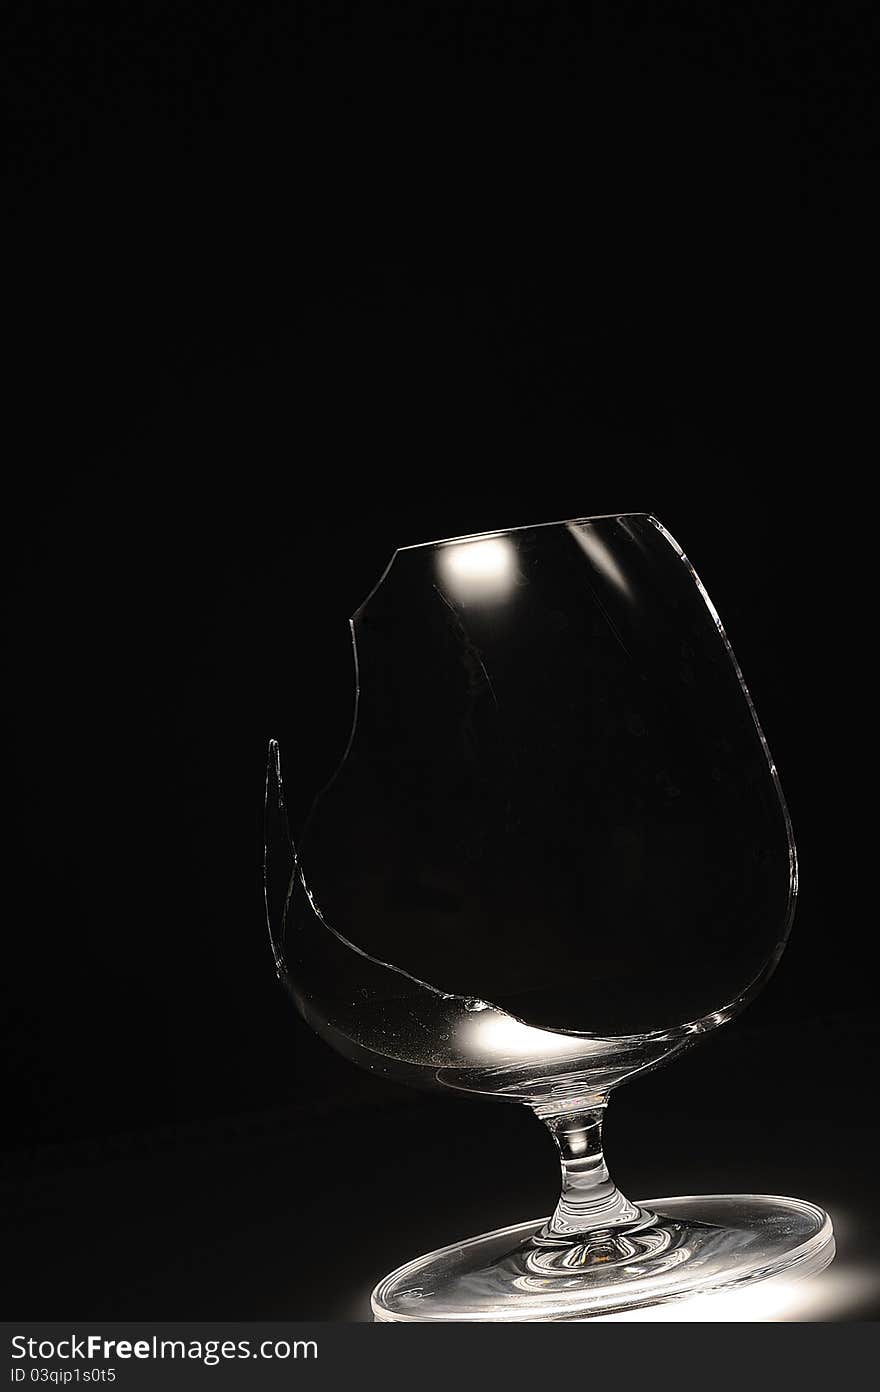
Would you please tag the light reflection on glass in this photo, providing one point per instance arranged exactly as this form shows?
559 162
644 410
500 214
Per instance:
493 1033
600 555
481 569
840 1293
843 1292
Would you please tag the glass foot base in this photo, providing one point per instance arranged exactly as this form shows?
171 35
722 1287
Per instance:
682 1247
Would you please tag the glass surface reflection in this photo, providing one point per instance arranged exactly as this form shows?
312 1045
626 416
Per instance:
555 852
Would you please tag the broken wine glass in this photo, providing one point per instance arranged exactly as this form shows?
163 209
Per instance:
554 854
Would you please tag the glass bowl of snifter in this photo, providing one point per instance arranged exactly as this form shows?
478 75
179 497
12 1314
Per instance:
554 854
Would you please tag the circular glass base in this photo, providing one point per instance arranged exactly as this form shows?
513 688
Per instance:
682 1247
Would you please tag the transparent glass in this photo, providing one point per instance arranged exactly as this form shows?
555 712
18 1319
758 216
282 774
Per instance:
555 852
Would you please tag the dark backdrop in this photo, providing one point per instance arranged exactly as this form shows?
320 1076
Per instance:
292 287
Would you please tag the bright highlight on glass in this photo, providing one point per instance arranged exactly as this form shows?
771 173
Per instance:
480 569
600 555
494 1033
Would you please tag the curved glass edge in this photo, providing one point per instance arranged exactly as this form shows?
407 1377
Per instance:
771 762
487 536
714 1019
808 1258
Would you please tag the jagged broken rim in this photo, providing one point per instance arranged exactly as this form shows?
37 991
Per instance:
680 1032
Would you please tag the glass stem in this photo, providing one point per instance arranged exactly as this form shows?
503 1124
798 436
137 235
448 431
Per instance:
590 1201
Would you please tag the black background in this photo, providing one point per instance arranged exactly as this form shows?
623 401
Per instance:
290 286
